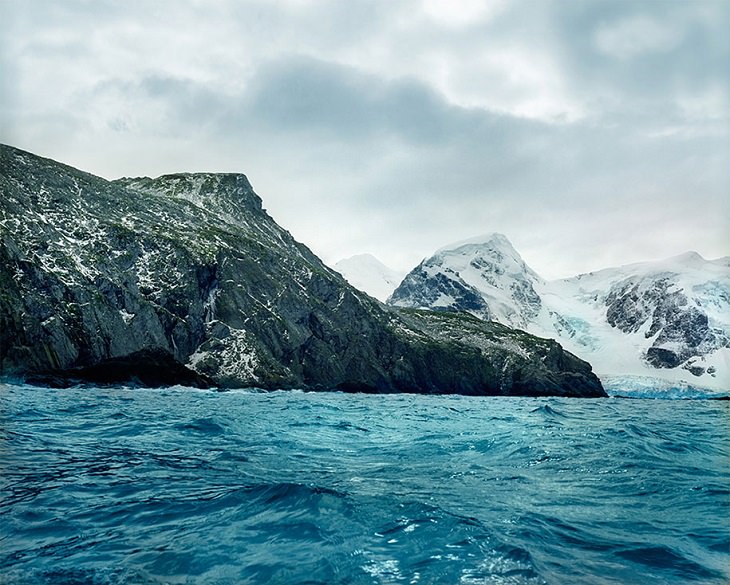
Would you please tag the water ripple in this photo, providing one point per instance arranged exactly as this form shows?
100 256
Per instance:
120 486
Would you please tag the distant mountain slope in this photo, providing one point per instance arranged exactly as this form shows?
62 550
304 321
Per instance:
366 273
185 278
484 276
667 319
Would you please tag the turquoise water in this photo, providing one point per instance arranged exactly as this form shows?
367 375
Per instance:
189 486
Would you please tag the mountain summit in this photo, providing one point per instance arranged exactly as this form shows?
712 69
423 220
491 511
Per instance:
186 279
484 276
665 319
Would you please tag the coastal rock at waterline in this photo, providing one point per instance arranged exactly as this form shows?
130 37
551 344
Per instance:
144 368
105 281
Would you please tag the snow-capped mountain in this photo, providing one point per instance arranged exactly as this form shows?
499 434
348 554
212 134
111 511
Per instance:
667 320
366 273
484 276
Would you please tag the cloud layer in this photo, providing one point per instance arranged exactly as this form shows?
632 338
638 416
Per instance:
591 133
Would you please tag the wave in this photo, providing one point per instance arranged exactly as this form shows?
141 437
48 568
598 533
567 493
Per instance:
112 486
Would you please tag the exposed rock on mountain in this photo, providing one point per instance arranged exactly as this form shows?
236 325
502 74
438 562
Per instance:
667 319
106 281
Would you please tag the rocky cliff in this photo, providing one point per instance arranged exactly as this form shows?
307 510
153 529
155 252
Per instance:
185 278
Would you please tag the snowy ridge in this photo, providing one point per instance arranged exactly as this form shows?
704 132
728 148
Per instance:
366 273
666 320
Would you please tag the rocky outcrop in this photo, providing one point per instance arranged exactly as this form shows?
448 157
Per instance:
144 368
439 291
525 364
188 275
679 329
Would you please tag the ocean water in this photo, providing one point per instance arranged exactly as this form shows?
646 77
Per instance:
123 485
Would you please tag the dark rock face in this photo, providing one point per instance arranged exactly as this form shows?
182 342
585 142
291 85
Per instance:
539 367
186 279
680 329
662 358
144 368
419 289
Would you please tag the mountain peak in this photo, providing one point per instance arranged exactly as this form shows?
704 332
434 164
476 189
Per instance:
492 240
487 253
690 258
369 258
483 275
228 193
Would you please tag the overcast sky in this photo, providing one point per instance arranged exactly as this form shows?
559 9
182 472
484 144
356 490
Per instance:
591 133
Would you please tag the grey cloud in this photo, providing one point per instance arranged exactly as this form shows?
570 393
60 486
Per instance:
314 97
8 96
309 95
188 103
700 55
645 84
323 23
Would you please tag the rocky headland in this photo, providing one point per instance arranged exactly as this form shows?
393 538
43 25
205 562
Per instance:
186 279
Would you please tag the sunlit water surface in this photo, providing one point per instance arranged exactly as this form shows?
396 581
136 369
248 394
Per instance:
185 486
